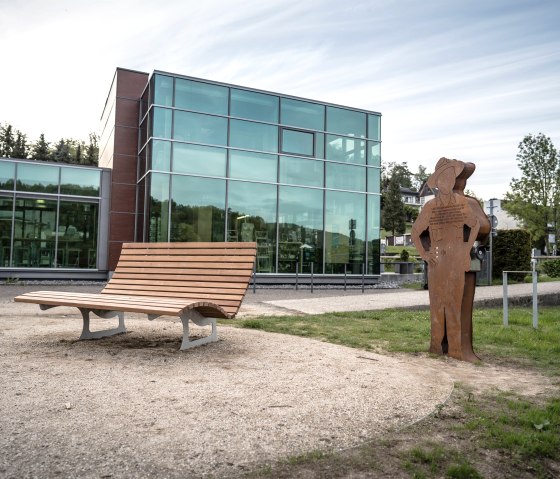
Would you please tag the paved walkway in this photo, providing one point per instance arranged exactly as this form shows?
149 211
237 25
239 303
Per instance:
290 301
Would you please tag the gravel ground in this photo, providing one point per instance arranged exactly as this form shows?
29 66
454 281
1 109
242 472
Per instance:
134 406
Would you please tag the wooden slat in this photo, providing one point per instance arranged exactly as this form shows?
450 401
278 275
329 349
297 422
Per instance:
248 266
217 293
191 285
193 245
195 271
188 278
189 251
187 259
214 298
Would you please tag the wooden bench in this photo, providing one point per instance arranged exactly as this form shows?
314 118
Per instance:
194 281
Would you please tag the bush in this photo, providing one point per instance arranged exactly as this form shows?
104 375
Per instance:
404 255
552 268
511 252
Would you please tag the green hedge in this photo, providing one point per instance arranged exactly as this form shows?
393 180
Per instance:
511 252
552 268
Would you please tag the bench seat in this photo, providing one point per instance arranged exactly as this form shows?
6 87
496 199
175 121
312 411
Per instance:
197 282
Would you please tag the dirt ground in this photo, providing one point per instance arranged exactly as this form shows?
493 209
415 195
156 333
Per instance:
135 406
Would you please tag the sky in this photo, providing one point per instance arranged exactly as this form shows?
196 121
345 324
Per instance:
460 79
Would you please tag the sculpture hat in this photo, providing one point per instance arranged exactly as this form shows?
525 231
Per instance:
442 165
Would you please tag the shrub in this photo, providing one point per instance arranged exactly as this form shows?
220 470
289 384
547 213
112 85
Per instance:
511 252
552 268
404 255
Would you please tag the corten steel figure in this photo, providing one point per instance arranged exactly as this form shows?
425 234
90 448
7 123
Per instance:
444 234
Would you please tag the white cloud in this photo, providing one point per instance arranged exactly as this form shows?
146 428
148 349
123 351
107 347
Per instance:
460 79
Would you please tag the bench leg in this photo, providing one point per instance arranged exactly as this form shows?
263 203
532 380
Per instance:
87 334
199 320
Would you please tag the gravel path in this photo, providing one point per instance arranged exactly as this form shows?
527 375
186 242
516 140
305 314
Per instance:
135 406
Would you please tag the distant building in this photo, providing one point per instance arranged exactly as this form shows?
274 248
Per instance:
505 221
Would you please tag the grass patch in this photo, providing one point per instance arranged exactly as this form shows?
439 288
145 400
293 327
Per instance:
409 332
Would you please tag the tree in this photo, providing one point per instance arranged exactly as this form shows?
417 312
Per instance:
398 171
534 198
92 150
6 140
61 152
20 149
40 150
393 214
420 177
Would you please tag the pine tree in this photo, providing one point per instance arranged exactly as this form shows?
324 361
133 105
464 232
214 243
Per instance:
393 214
61 152
78 158
92 150
40 150
20 149
6 140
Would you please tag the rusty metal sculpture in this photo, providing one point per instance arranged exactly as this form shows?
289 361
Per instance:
444 234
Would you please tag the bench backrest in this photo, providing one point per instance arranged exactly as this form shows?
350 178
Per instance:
215 272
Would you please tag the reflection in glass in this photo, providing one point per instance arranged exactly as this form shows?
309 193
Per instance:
161 155
346 122
245 165
34 233
347 150
319 145
79 181
374 127
161 122
77 235
7 175
301 171
159 207
345 220
254 106
36 177
297 142
199 160
252 217
199 128
374 233
253 136
300 223
302 114
163 91
197 209
199 96
346 177
6 205
374 180
374 153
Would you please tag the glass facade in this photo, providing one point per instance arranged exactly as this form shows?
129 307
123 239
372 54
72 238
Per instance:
226 163
49 215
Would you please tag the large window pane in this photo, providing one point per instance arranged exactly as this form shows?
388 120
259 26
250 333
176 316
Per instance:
245 165
79 181
302 114
7 175
374 153
253 136
301 171
346 177
197 209
347 150
163 90
374 127
374 233
346 122
161 122
300 223
345 223
6 205
297 142
159 207
200 128
36 177
374 180
161 155
252 217
77 235
34 233
199 96
199 160
254 106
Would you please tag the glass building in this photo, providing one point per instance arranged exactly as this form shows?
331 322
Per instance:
219 162
50 218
